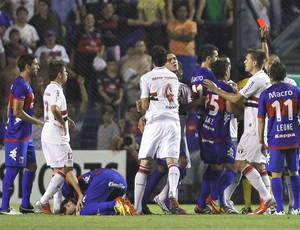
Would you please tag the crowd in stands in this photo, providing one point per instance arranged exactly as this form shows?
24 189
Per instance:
105 45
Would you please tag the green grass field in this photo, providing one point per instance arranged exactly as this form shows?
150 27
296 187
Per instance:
158 221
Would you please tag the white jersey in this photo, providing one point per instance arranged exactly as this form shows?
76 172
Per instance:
58 52
289 81
251 91
52 132
161 86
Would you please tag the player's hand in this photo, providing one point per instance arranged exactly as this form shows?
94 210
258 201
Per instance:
263 149
72 124
210 85
138 105
80 202
264 31
63 127
234 86
141 124
40 124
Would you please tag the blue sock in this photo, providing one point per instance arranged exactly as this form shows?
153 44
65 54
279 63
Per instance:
8 185
226 179
182 173
153 180
205 189
221 201
214 182
277 188
27 183
295 184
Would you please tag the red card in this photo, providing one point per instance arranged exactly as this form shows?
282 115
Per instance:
261 22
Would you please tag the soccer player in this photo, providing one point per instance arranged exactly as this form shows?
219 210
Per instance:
218 148
249 159
55 137
103 190
281 104
207 55
159 93
19 146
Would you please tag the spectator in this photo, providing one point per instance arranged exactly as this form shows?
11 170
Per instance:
2 56
28 4
109 131
86 45
110 86
28 33
45 19
15 45
132 69
63 8
172 5
182 33
5 22
154 14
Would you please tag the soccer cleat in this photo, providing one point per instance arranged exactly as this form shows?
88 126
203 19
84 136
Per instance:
230 206
264 205
247 210
173 205
119 207
204 210
129 208
296 211
291 209
162 205
228 210
182 211
280 213
10 211
25 210
215 204
45 208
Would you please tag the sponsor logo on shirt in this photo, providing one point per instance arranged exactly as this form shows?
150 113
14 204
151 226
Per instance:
113 184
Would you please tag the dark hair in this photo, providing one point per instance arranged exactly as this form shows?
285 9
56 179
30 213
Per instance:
21 8
207 50
62 209
159 56
25 59
219 68
55 67
13 30
277 71
258 55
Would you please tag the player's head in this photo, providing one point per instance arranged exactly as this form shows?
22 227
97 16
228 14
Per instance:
57 71
28 62
208 53
159 56
277 71
179 71
172 62
221 70
68 207
272 58
254 60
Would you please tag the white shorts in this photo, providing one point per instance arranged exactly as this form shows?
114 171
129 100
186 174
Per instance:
57 155
248 149
161 137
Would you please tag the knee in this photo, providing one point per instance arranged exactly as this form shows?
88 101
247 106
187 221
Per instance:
32 167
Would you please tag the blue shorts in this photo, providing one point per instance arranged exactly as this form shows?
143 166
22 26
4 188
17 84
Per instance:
276 161
218 152
107 186
19 154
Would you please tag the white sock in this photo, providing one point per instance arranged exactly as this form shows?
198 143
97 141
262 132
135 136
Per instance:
265 178
173 178
140 185
231 188
255 179
163 194
289 190
57 199
55 183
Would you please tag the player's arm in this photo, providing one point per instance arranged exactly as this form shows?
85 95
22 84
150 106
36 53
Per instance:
233 109
57 115
145 103
20 113
235 98
261 129
71 178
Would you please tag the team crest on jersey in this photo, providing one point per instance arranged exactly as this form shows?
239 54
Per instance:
240 151
21 160
13 153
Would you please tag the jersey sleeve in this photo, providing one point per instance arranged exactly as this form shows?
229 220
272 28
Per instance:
145 91
250 88
262 106
19 91
55 98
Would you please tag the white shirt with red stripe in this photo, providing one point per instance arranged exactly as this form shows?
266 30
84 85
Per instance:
251 91
160 85
52 132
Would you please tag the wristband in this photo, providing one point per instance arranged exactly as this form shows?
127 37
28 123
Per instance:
263 39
